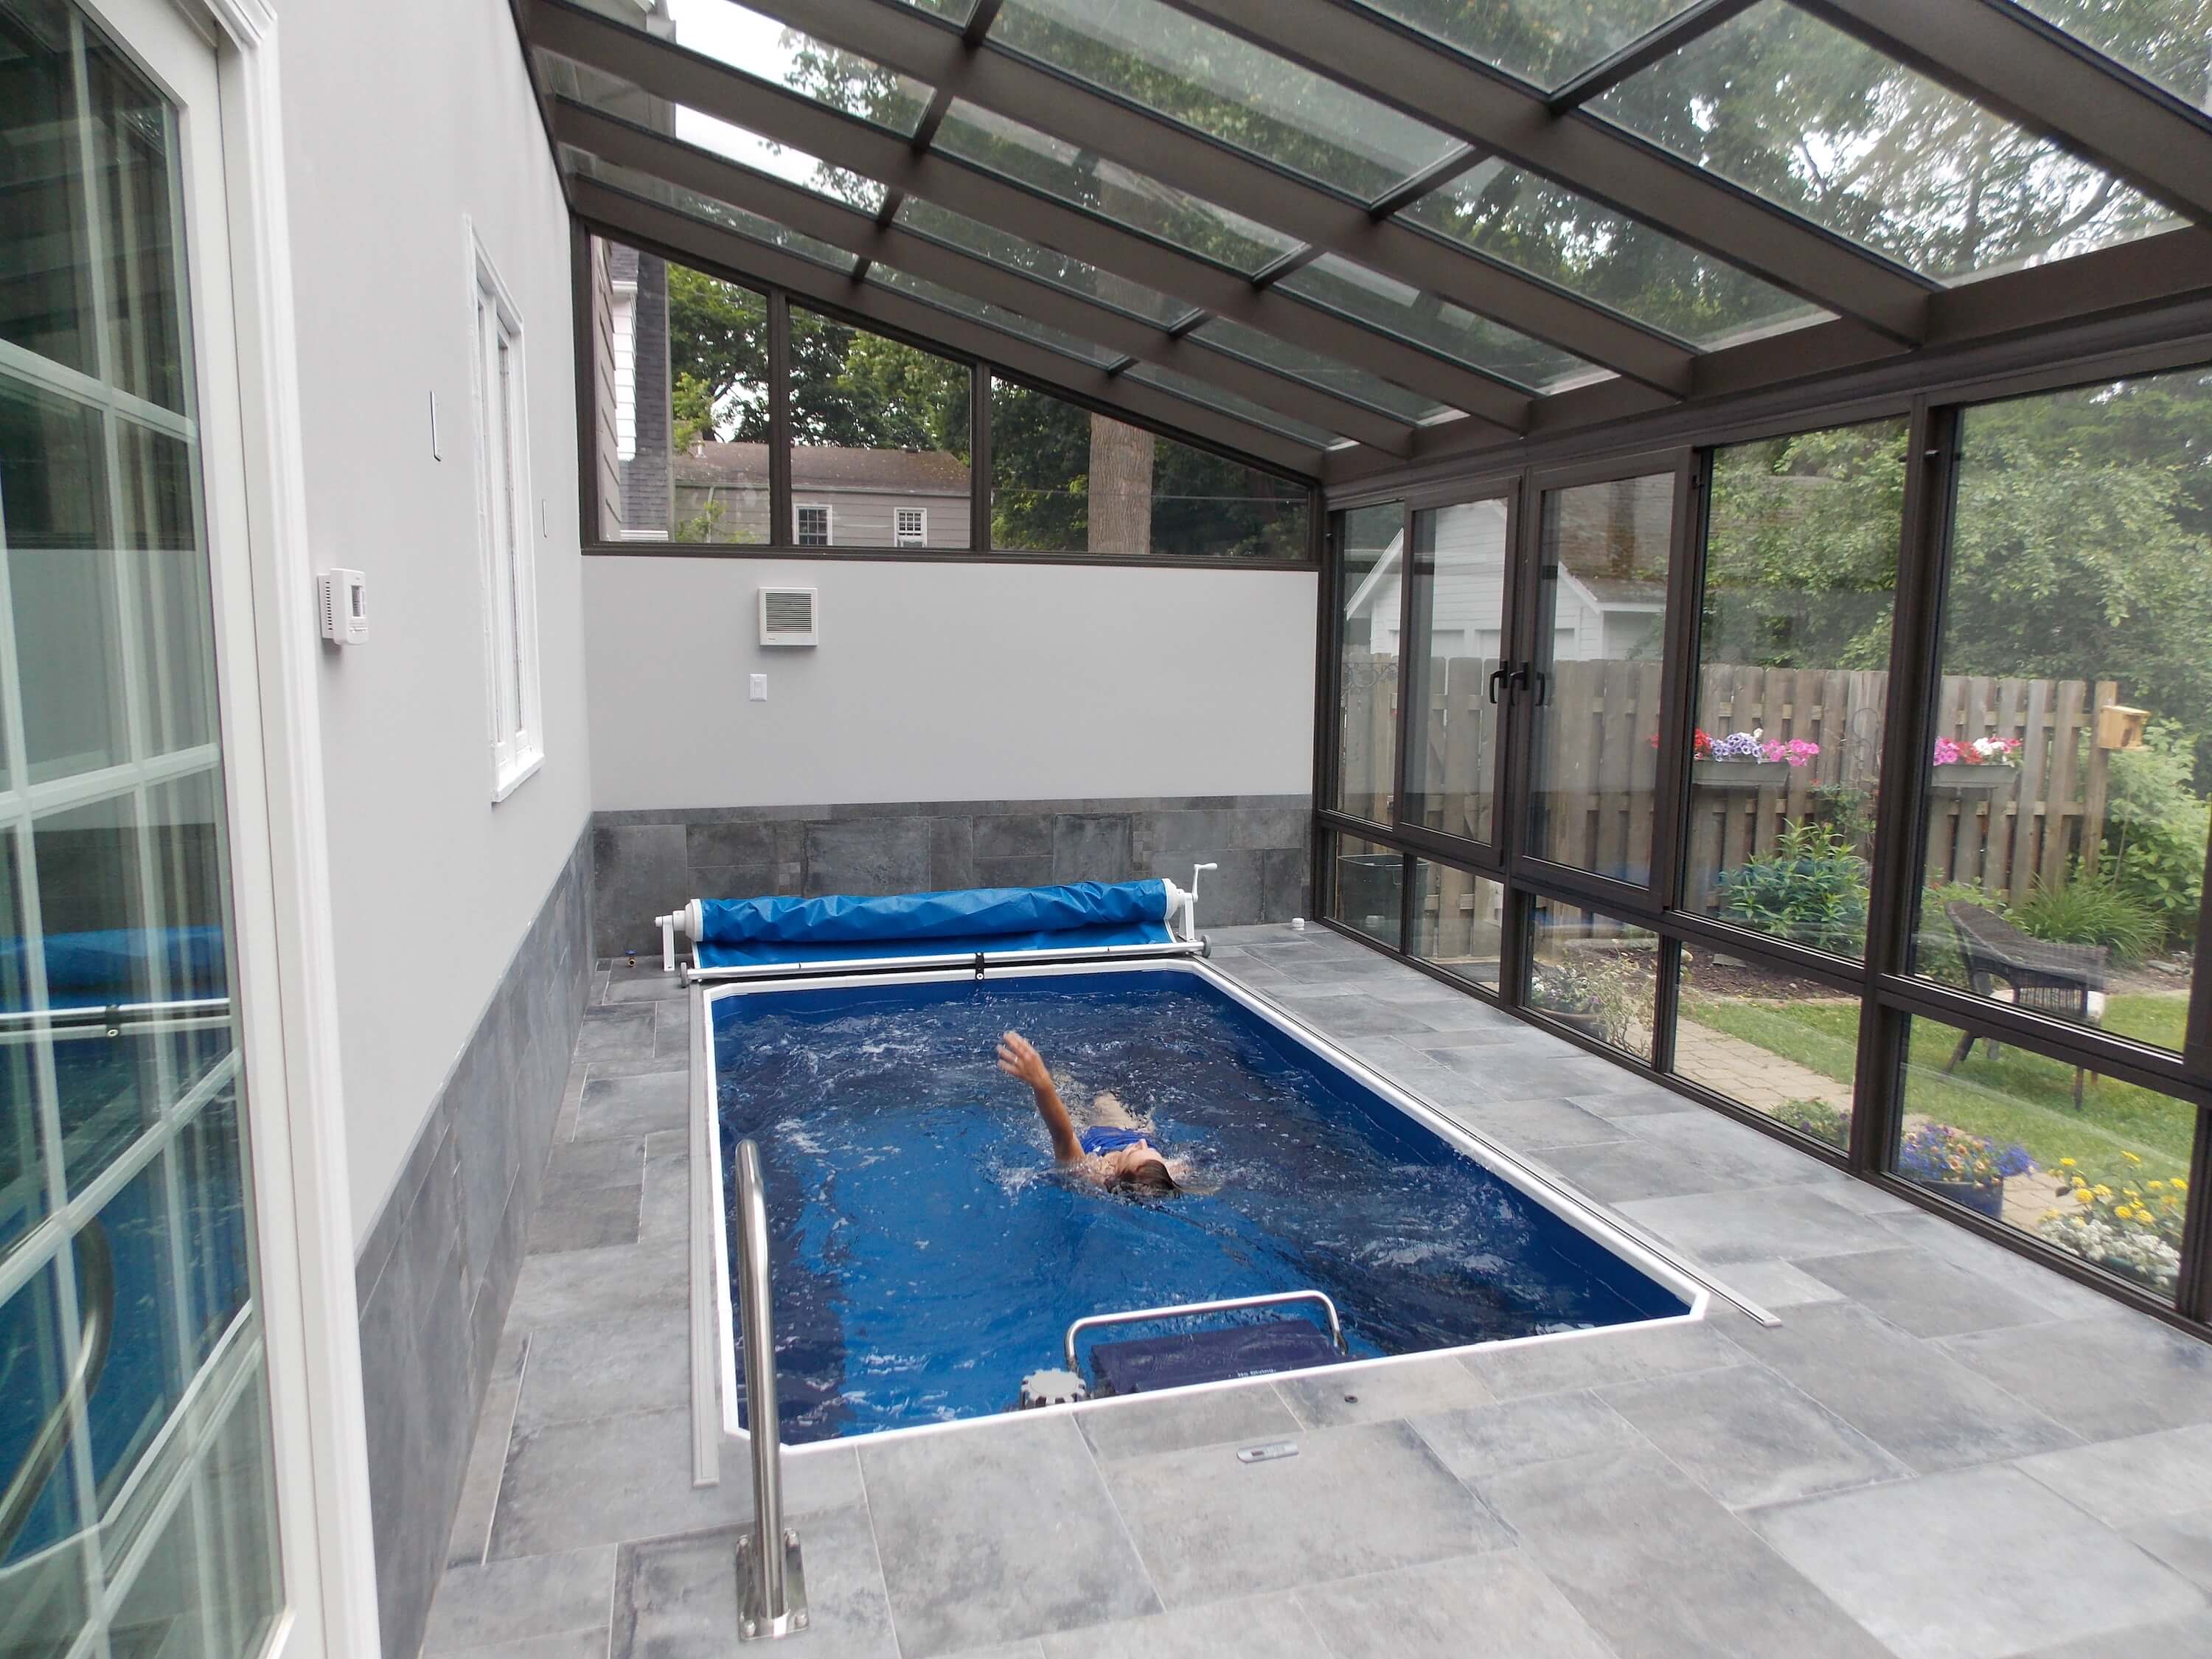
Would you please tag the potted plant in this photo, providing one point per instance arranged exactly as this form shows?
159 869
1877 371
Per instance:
2135 1231
1744 760
1967 1169
1593 1001
1979 765
1817 1118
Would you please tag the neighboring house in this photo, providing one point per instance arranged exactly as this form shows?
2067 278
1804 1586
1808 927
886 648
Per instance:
840 497
1614 618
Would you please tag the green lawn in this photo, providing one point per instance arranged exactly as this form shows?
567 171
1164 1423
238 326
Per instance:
2015 1097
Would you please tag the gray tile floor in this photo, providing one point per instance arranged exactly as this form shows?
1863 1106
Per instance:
1942 1450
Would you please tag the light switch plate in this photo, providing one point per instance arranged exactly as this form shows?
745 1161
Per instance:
759 689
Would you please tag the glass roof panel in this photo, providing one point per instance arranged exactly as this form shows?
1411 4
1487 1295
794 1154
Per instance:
1546 229
1315 370
720 214
1367 296
1228 403
615 96
770 50
1226 87
998 317
2168 41
1108 189
942 225
1539 40
1784 105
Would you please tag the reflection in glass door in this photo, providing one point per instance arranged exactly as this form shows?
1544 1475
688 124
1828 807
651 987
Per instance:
1371 569
1454 666
1601 630
135 1506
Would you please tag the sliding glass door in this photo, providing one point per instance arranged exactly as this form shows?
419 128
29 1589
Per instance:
136 1497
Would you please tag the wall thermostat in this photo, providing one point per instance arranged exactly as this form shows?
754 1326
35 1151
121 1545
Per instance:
344 602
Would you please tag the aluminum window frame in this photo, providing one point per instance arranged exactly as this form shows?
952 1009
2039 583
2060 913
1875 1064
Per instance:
1887 996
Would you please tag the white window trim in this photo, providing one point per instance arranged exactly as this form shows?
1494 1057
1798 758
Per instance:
829 524
503 497
920 538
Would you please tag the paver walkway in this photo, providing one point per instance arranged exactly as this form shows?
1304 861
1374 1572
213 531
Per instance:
1942 1450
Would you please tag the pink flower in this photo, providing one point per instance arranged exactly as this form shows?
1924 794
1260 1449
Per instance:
1796 751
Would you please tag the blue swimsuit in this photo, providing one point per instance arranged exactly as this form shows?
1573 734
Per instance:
1100 1137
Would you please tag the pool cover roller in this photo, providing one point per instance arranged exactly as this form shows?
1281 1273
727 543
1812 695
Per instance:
965 922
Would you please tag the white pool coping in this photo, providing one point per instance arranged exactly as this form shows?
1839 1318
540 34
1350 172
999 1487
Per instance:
714 1347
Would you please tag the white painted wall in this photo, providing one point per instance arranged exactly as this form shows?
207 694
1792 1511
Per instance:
947 682
399 128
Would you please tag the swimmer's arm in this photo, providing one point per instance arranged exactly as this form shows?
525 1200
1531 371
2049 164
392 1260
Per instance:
1016 1059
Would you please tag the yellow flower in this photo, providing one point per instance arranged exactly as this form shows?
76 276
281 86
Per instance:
2130 1157
2081 1196
2065 1162
2131 1192
2155 1185
2179 1185
2101 1190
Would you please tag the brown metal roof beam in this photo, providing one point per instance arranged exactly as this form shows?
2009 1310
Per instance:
625 217
776 113
2009 61
1661 40
811 214
1995 313
905 38
1484 107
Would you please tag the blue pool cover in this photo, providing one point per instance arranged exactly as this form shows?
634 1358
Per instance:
1085 915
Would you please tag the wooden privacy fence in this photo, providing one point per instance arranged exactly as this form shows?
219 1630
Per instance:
1597 765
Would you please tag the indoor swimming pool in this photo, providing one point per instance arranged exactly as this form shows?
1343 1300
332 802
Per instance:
926 1254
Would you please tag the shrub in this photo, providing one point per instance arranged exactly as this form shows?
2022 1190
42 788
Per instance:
2154 828
1816 1118
2091 910
1811 888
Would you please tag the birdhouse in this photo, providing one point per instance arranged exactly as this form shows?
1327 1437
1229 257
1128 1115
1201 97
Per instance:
2120 726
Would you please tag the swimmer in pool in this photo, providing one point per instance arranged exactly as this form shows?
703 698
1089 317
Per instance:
1118 1149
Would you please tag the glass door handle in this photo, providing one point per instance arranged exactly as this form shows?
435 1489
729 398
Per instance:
1497 678
1519 676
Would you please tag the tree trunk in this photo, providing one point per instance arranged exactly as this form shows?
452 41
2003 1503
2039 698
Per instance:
1121 488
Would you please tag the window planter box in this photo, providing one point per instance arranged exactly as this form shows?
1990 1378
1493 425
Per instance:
1972 778
1740 775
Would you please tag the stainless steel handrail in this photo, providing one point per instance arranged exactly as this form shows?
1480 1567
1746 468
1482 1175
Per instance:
771 1584
1143 1315
96 1292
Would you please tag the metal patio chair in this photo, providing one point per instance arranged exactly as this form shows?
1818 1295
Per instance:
2065 980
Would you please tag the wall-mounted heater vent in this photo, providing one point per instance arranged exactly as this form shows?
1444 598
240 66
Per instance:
790 615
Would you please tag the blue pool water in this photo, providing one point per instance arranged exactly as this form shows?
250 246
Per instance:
926 1255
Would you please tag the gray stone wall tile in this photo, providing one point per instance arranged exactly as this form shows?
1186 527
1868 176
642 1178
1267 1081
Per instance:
1001 835
1013 873
848 855
951 854
734 842
438 1269
1284 884
646 862
736 881
1090 848
638 873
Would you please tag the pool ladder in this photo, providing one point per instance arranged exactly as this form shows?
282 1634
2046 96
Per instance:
771 1579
